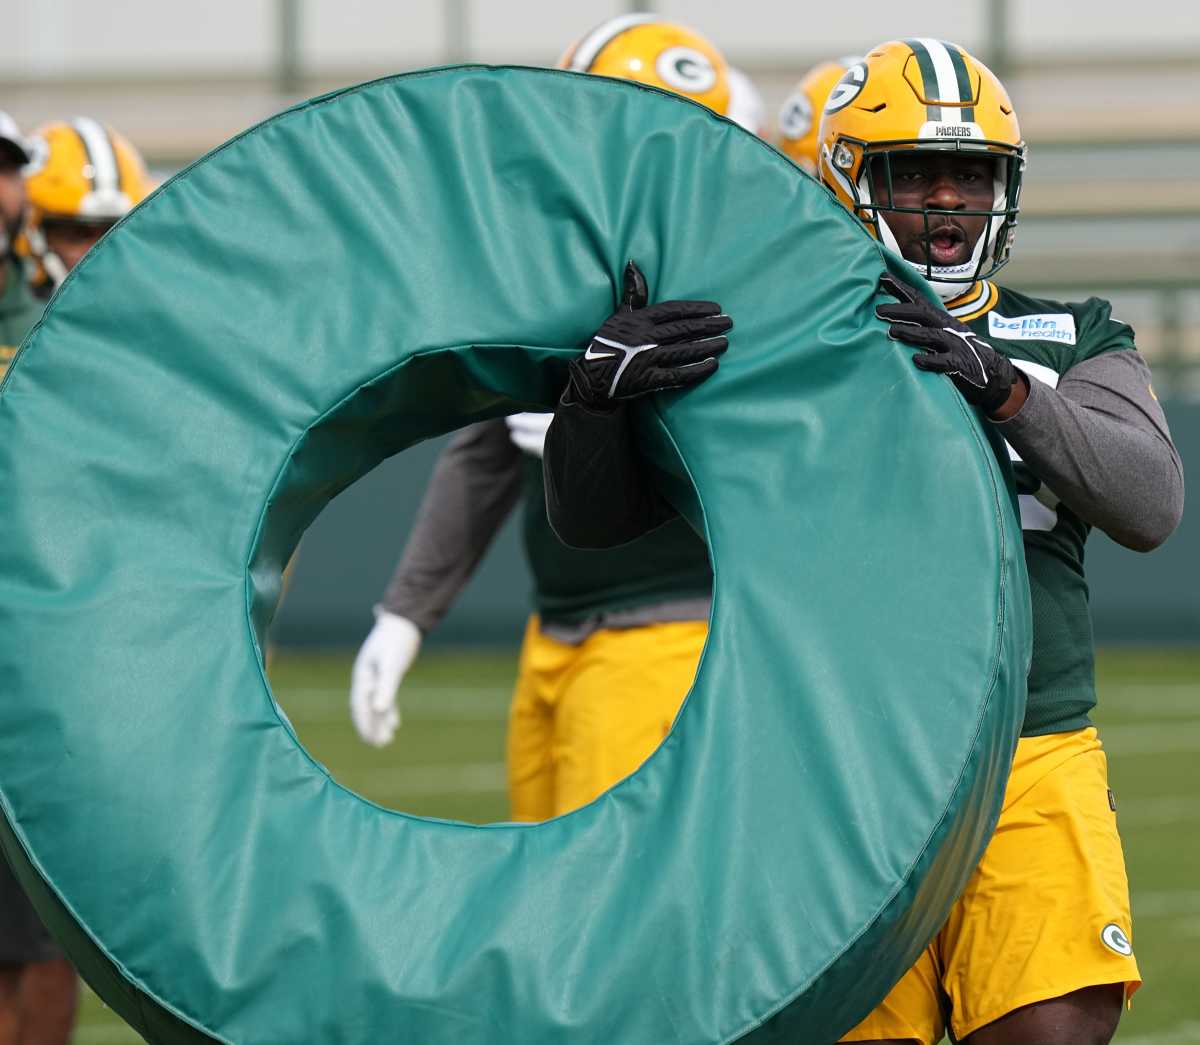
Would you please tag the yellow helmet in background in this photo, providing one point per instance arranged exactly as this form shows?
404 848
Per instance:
83 171
923 94
80 173
662 54
800 115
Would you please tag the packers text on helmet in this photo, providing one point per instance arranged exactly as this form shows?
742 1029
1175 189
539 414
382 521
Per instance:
924 96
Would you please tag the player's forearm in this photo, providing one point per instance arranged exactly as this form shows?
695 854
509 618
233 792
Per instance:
1100 442
474 486
598 493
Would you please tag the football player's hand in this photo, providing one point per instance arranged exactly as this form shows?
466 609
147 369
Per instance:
983 376
642 349
380 667
528 431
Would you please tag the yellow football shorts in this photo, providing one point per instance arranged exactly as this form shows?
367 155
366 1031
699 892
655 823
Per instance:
584 717
1046 912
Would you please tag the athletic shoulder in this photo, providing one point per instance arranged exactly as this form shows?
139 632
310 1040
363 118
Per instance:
1058 334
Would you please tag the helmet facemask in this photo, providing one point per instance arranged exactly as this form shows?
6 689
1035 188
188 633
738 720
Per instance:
993 245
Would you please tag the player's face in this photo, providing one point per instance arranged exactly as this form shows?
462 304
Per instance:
943 181
12 198
70 240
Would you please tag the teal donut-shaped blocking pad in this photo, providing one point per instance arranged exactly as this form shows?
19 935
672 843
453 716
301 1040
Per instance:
391 262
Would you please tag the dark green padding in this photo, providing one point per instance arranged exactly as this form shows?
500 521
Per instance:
351 277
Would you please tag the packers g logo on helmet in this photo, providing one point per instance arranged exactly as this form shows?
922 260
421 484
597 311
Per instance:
847 88
801 112
686 69
796 116
923 95
646 49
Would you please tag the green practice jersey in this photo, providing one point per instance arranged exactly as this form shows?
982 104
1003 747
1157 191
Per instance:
669 563
479 477
1045 339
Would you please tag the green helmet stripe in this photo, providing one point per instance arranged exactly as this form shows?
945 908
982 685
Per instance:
928 76
963 75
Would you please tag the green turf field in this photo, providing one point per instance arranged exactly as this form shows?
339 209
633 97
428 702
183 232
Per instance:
448 760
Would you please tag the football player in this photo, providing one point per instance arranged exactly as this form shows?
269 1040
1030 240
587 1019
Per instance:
920 141
39 990
612 649
800 114
82 178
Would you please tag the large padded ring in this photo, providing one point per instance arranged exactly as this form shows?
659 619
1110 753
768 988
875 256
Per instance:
385 264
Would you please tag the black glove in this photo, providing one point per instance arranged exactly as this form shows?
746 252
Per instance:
983 376
641 349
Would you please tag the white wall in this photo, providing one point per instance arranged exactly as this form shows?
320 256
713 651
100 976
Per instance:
393 36
1112 26
752 27
49 39
53 38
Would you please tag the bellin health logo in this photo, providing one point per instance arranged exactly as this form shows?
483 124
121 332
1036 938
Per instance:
1048 326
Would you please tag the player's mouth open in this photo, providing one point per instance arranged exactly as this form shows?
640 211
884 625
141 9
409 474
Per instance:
947 245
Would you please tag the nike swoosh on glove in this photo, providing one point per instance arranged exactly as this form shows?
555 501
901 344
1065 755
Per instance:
981 374
642 349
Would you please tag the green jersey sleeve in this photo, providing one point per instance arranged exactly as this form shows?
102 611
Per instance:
1096 330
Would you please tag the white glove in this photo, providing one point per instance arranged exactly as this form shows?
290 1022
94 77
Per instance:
528 431
380 667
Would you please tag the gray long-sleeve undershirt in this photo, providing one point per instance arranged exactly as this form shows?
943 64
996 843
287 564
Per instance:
475 484
473 488
1100 442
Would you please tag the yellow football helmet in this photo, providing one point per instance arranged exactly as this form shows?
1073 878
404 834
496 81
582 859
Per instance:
80 173
800 116
923 94
662 54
